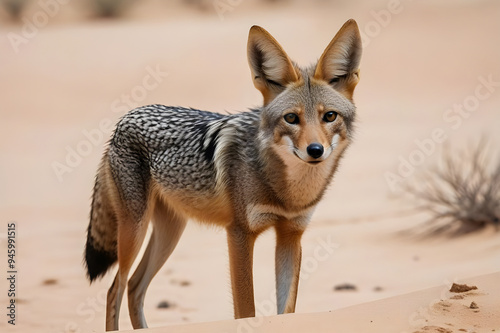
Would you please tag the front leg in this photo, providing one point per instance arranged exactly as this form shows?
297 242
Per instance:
241 243
288 258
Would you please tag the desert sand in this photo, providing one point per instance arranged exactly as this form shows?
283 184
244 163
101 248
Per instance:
433 310
69 81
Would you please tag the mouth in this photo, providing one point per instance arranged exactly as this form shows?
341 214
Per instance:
314 162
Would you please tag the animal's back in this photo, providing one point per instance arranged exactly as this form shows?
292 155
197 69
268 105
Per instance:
175 143
182 149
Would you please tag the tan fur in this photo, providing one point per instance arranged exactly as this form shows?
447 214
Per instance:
130 238
214 210
300 189
287 264
167 230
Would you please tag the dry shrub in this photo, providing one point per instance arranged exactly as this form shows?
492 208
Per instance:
462 192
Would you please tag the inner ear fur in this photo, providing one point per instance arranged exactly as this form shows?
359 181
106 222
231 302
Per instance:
339 63
272 70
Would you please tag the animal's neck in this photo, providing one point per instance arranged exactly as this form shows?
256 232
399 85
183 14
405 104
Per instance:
296 184
306 183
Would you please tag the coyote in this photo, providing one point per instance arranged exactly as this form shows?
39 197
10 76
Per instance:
245 172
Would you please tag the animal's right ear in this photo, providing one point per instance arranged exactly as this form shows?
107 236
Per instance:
271 68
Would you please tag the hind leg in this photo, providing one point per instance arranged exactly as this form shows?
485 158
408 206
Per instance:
130 191
167 229
130 238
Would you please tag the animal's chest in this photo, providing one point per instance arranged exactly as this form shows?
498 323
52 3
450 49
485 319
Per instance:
305 184
262 216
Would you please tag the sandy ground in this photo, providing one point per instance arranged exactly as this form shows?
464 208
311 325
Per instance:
433 310
75 76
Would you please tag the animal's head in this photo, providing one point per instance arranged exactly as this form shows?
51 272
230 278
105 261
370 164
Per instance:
307 112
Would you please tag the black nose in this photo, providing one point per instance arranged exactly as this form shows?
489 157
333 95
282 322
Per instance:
315 150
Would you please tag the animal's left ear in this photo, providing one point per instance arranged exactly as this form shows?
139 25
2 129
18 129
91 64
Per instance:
339 64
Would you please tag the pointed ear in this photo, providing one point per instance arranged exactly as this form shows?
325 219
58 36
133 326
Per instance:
339 64
271 68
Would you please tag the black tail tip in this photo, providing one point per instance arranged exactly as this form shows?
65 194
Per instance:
97 261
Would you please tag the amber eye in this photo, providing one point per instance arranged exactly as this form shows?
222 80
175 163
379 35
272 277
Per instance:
291 118
330 116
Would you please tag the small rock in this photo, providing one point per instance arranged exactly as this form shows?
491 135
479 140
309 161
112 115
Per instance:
345 286
185 283
433 329
49 282
473 305
164 305
461 288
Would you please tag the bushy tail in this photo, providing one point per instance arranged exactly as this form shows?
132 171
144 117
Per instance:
101 247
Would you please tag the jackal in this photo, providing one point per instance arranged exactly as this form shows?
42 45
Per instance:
246 172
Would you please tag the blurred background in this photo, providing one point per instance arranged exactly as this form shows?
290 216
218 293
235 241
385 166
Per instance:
430 81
